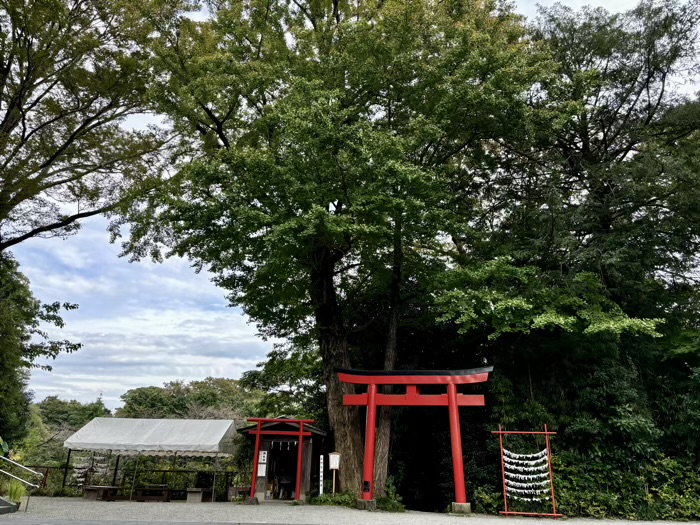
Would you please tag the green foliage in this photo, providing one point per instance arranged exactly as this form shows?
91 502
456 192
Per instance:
71 415
23 344
339 499
661 489
66 492
73 72
322 159
506 298
210 398
49 424
292 379
391 501
16 490
487 501
533 190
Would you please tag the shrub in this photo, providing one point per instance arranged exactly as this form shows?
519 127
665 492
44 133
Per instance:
341 499
16 491
392 501
487 501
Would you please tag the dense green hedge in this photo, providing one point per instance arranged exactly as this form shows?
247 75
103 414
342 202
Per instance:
664 488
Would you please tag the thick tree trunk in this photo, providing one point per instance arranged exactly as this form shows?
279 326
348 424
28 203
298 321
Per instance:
344 421
384 425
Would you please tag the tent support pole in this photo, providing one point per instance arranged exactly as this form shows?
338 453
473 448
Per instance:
65 469
213 486
116 469
173 466
133 481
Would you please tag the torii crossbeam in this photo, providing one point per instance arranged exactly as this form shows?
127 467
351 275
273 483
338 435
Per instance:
413 380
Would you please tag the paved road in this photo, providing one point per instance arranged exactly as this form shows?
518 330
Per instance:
76 511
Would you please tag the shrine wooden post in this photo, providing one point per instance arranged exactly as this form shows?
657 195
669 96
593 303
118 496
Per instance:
413 380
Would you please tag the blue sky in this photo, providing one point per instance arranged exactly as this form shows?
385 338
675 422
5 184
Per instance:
143 323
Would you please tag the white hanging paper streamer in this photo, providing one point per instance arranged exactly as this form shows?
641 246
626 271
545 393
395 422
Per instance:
524 462
525 456
531 472
528 499
522 477
528 491
543 468
531 484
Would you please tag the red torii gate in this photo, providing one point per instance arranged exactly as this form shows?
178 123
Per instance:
413 380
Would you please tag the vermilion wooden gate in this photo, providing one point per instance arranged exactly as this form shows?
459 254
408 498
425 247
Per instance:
413 380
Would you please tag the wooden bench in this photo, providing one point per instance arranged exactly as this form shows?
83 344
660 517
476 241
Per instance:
103 492
152 493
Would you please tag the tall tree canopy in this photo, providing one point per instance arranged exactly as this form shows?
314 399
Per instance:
71 72
434 185
330 134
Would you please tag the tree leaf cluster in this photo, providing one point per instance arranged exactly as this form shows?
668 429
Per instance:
211 398
24 344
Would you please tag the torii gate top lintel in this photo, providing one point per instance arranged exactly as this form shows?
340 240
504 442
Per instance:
414 377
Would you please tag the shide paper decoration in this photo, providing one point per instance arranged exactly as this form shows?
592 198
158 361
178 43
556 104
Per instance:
527 477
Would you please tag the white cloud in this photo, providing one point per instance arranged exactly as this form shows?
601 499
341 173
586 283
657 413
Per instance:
141 324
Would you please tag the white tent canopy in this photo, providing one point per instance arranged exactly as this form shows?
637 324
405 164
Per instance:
156 437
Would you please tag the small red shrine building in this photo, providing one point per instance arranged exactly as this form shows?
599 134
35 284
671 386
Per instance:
286 460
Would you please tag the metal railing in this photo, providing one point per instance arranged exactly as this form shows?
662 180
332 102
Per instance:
28 483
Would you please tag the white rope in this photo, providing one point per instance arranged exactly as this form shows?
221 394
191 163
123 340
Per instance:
525 456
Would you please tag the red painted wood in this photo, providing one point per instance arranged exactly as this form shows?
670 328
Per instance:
278 420
255 461
370 441
260 432
456 437
299 458
551 475
277 432
398 400
412 379
412 397
503 473
516 433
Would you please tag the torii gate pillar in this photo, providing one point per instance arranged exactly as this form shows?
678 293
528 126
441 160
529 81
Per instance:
412 380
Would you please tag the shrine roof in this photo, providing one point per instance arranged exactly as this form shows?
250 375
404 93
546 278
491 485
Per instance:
274 424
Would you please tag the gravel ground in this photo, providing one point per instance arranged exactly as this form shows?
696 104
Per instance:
72 510
66 511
